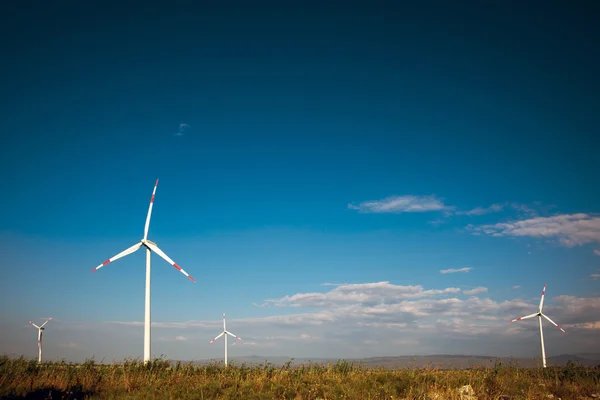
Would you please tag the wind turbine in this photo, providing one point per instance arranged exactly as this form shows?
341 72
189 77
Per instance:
540 314
40 329
225 332
150 247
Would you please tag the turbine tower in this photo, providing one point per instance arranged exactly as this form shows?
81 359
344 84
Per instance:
150 247
225 332
40 330
540 314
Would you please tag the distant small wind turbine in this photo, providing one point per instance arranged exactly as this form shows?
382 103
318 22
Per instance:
40 329
150 247
540 314
225 332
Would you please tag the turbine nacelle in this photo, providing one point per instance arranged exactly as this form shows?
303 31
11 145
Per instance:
145 242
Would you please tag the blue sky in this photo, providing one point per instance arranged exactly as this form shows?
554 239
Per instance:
326 150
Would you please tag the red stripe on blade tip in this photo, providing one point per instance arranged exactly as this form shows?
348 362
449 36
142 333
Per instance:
106 262
177 266
191 279
152 199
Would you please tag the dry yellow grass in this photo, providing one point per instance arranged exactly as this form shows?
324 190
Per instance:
160 379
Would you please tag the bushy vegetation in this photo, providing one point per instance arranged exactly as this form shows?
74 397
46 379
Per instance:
162 379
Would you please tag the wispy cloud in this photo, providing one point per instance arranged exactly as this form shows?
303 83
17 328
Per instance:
533 210
182 129
569 229
477 290
69 345
524 210
173 339
453 270
401 204
483 210
516 287
597 252
438 221
595 276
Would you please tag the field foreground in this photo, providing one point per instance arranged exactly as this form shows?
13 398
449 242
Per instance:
160 379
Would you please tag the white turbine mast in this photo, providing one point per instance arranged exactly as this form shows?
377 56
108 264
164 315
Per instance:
150 247
540 314
40 330
225 332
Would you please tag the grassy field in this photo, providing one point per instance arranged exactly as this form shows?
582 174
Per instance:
160 379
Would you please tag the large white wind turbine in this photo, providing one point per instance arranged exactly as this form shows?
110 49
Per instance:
40 330
225 332
540 314
150 247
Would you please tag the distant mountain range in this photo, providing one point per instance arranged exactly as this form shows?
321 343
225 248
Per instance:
442 361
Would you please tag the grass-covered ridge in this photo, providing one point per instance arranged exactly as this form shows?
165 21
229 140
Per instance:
162 379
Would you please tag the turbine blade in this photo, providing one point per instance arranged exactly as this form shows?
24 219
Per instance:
525 317
46 322
34 324
147 226
231 334
167 259
124 253
553 323
542 300
222 333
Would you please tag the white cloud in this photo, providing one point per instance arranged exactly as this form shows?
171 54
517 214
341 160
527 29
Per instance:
569 229
476 290
401 204
483 210
597 252
595 276
571 309
362 293
339 325
516 287
453 270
